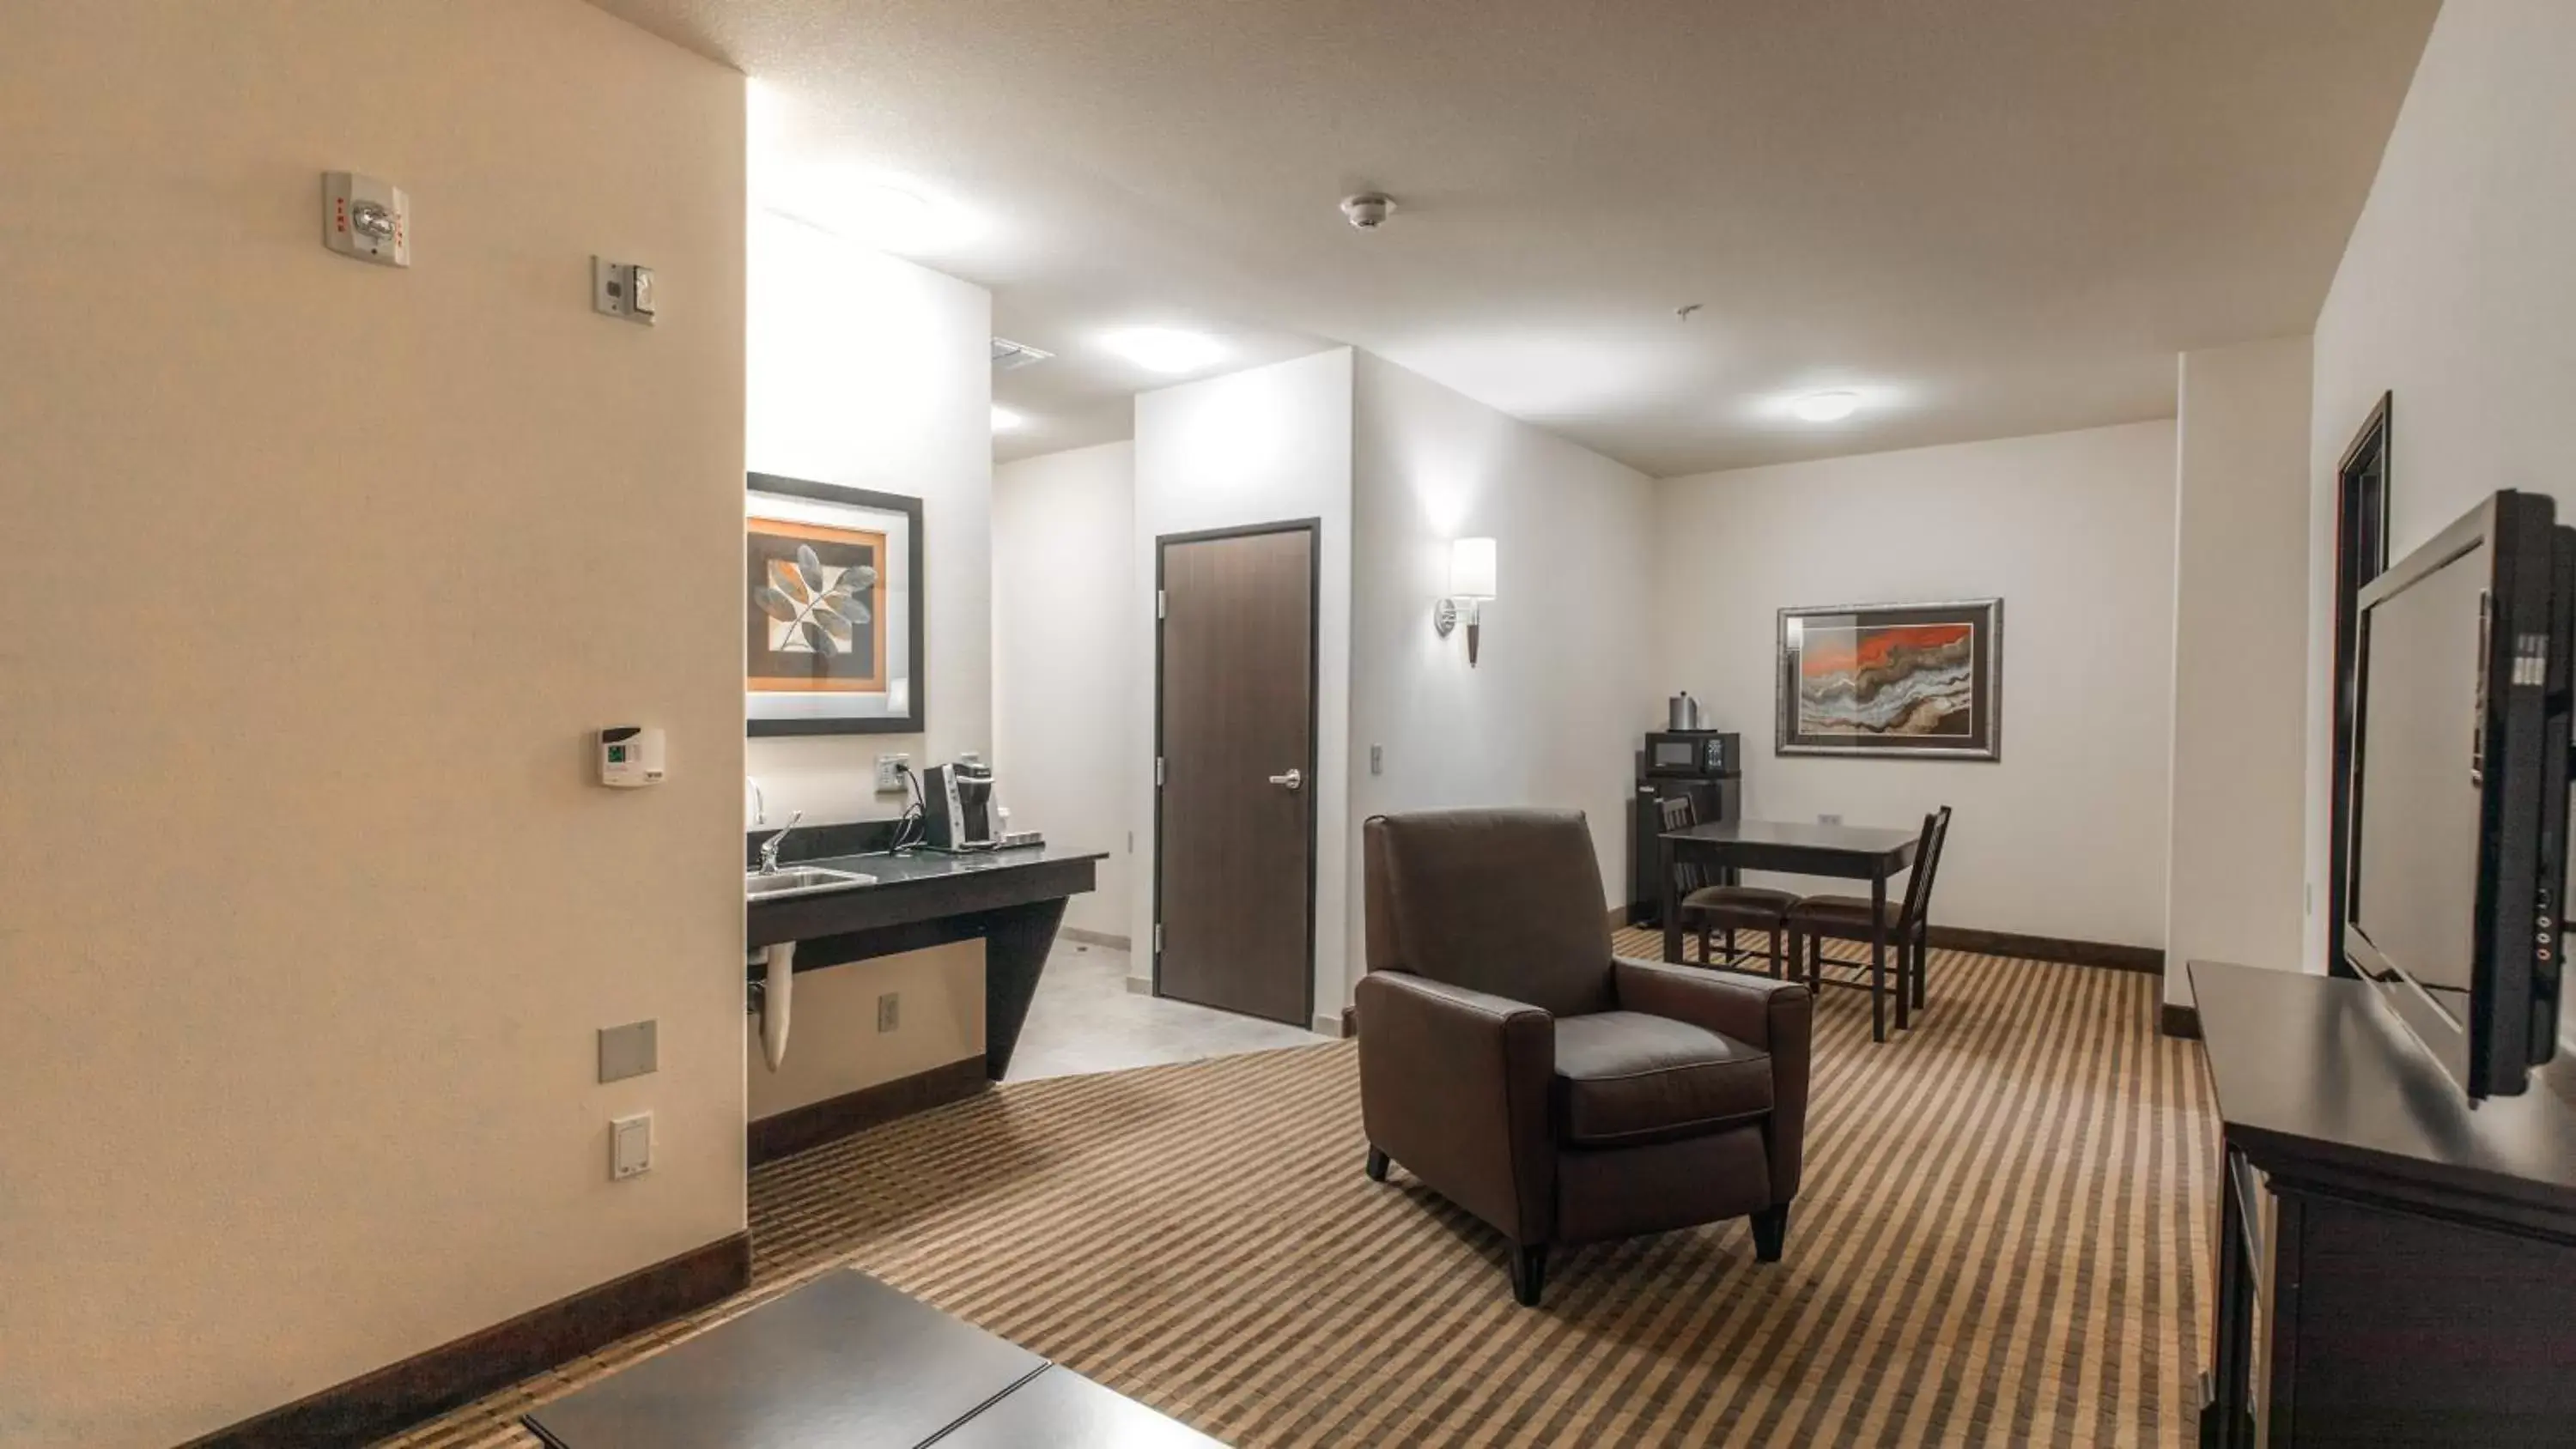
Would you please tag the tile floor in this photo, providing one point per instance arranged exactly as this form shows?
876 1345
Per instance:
1084 1019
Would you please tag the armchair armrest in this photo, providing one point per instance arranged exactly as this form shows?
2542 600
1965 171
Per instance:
1777 1016
1454 1085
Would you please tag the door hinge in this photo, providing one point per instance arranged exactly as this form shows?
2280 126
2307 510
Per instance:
1158 938
1162 603
1158 772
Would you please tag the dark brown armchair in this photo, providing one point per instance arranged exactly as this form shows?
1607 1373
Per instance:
1563 1095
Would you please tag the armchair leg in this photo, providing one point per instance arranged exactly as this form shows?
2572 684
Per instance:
1529 1273
1770 1233
1377 1165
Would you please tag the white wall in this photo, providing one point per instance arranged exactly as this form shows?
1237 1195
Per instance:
869 371
320 575
1063 661
1268 444
2240 648
2065 836
2454 293
1564 684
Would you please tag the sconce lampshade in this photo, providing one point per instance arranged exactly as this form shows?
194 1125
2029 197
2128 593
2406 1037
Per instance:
1471 568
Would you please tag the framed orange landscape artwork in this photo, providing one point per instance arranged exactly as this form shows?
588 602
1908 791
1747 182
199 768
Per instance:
1893 679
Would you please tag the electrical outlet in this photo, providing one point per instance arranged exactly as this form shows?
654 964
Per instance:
630 1146
1377 759
1829 820
889 1011
890 770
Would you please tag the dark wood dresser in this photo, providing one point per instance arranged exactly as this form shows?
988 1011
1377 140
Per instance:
2395 1267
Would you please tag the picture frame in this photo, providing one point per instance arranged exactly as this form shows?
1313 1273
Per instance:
833 625
1918 681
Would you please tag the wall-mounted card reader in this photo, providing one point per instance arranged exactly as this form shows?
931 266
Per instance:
630 755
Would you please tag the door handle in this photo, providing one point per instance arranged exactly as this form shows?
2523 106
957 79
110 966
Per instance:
1294 779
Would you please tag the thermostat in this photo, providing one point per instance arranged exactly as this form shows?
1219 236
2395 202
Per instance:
630 755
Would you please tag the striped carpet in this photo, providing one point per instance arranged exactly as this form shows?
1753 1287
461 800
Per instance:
2003 1239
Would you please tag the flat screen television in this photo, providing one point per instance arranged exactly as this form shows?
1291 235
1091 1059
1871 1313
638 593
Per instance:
2456 867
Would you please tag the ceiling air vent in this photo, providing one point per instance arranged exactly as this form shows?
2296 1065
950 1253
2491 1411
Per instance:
1008 355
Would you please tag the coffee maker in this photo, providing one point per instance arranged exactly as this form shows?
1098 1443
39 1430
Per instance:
957 809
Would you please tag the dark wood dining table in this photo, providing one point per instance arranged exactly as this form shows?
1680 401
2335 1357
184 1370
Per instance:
1847 852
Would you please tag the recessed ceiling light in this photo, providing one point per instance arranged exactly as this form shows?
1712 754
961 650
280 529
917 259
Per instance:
1164 349
1005 420
1826 407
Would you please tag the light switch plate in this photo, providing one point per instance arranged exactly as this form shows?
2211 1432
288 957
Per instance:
621 289
889 1011
630 1146
631 1050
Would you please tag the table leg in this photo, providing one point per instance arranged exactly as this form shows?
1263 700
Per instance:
1672 907
1878 961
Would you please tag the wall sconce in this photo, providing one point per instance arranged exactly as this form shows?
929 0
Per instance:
1471 582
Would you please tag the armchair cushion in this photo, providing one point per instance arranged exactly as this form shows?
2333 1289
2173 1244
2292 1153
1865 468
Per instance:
1624 1078
1774 1016
1502 901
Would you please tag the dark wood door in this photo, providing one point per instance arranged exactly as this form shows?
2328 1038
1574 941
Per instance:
1236 733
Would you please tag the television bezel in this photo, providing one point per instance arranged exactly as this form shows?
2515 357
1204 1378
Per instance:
2522 792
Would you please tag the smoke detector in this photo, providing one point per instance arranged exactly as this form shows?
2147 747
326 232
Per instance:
1368 210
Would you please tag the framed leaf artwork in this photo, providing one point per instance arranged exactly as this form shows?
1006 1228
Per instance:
831 610
1893 679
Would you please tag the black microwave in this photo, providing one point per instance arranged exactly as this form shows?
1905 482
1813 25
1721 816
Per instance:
1693 752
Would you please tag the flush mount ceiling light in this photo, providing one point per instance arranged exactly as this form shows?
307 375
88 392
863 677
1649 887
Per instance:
1826 407
1164 349
1007 421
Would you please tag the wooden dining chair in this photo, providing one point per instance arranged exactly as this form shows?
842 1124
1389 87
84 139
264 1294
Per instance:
1908 922
1714 913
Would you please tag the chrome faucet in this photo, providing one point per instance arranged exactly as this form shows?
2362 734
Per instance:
769 847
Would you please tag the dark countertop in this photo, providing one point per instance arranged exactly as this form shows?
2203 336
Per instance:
2321 1069
922 886
922 865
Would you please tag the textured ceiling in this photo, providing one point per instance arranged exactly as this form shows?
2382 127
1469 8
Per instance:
1989 217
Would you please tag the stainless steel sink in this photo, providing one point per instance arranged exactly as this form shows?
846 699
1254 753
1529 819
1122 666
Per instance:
800 881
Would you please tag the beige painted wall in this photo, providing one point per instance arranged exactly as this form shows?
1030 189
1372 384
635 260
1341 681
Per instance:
1264 445
1564 683
2065 836
2454 295
833 1045
1064 661
319 575
2240 644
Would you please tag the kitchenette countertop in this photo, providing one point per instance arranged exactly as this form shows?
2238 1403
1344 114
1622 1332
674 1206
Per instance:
925 864
1011 900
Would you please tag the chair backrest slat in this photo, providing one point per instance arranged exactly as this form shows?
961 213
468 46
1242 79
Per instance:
1679 813
1927 864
